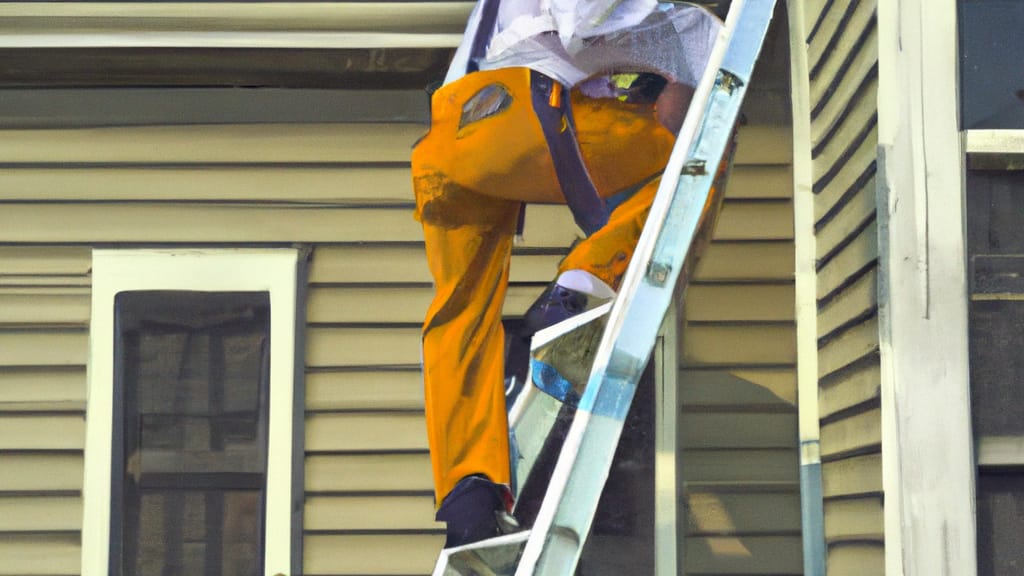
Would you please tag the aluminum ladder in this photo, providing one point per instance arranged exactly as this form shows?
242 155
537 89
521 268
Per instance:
628 329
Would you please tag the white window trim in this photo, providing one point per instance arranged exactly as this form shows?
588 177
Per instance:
994 141
927 451
266 270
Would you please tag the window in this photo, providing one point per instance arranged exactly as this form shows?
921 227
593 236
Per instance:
191 424
991 50
995 242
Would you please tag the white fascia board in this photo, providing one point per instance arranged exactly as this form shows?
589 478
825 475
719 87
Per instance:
274 40
927 451
232 24
255 270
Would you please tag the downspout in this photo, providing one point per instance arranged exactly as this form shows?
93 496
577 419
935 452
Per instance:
811 496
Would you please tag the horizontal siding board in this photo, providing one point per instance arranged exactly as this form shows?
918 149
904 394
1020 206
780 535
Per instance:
821 52
393 304
26 307
849 389
760 182
857 300
740 220
739 344
859 432
275 143
368 264
813 11
171 222
43 347
726 514
852 217
43 282
748 555
828 140
40 554
41 472
861 252
737 430
40 513
856 559
224 183
858 68
861 108
850 138
860 75
362 346
42 389
826 26
366 554
367 390
365 432
846 177
42 432
739 302
764 144
44 260
852 345
212 144
337 513
859 475
368 473
740 467
854 519
739 261
407 264
770 388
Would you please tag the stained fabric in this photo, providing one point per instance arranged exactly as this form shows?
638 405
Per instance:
468 194
486 154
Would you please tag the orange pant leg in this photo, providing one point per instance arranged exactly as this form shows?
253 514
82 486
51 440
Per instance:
607 252
469 180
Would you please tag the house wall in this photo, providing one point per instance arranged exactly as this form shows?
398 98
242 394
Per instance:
344 190
738 424
44 319
841 46
130 177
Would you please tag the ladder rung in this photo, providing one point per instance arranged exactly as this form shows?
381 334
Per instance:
492 557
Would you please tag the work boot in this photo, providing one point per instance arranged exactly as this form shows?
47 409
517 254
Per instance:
476 509
574 292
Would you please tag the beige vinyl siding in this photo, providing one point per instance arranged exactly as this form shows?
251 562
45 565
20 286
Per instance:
44 317
738 425
843 58
368 482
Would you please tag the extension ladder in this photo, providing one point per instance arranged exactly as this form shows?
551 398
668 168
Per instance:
627 328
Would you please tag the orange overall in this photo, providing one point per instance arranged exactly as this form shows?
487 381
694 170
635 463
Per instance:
470 180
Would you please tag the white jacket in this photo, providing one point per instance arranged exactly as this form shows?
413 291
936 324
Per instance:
572 40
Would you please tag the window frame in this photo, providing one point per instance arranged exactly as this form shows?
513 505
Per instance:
928 473
275 271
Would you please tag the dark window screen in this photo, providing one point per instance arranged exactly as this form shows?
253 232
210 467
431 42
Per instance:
991 56
1000 524
995 245
190 433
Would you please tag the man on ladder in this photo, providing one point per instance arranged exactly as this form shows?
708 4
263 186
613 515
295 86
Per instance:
546 101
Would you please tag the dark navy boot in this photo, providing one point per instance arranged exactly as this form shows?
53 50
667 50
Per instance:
476 509
574 292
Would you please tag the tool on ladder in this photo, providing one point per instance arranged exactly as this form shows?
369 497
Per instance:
628 327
